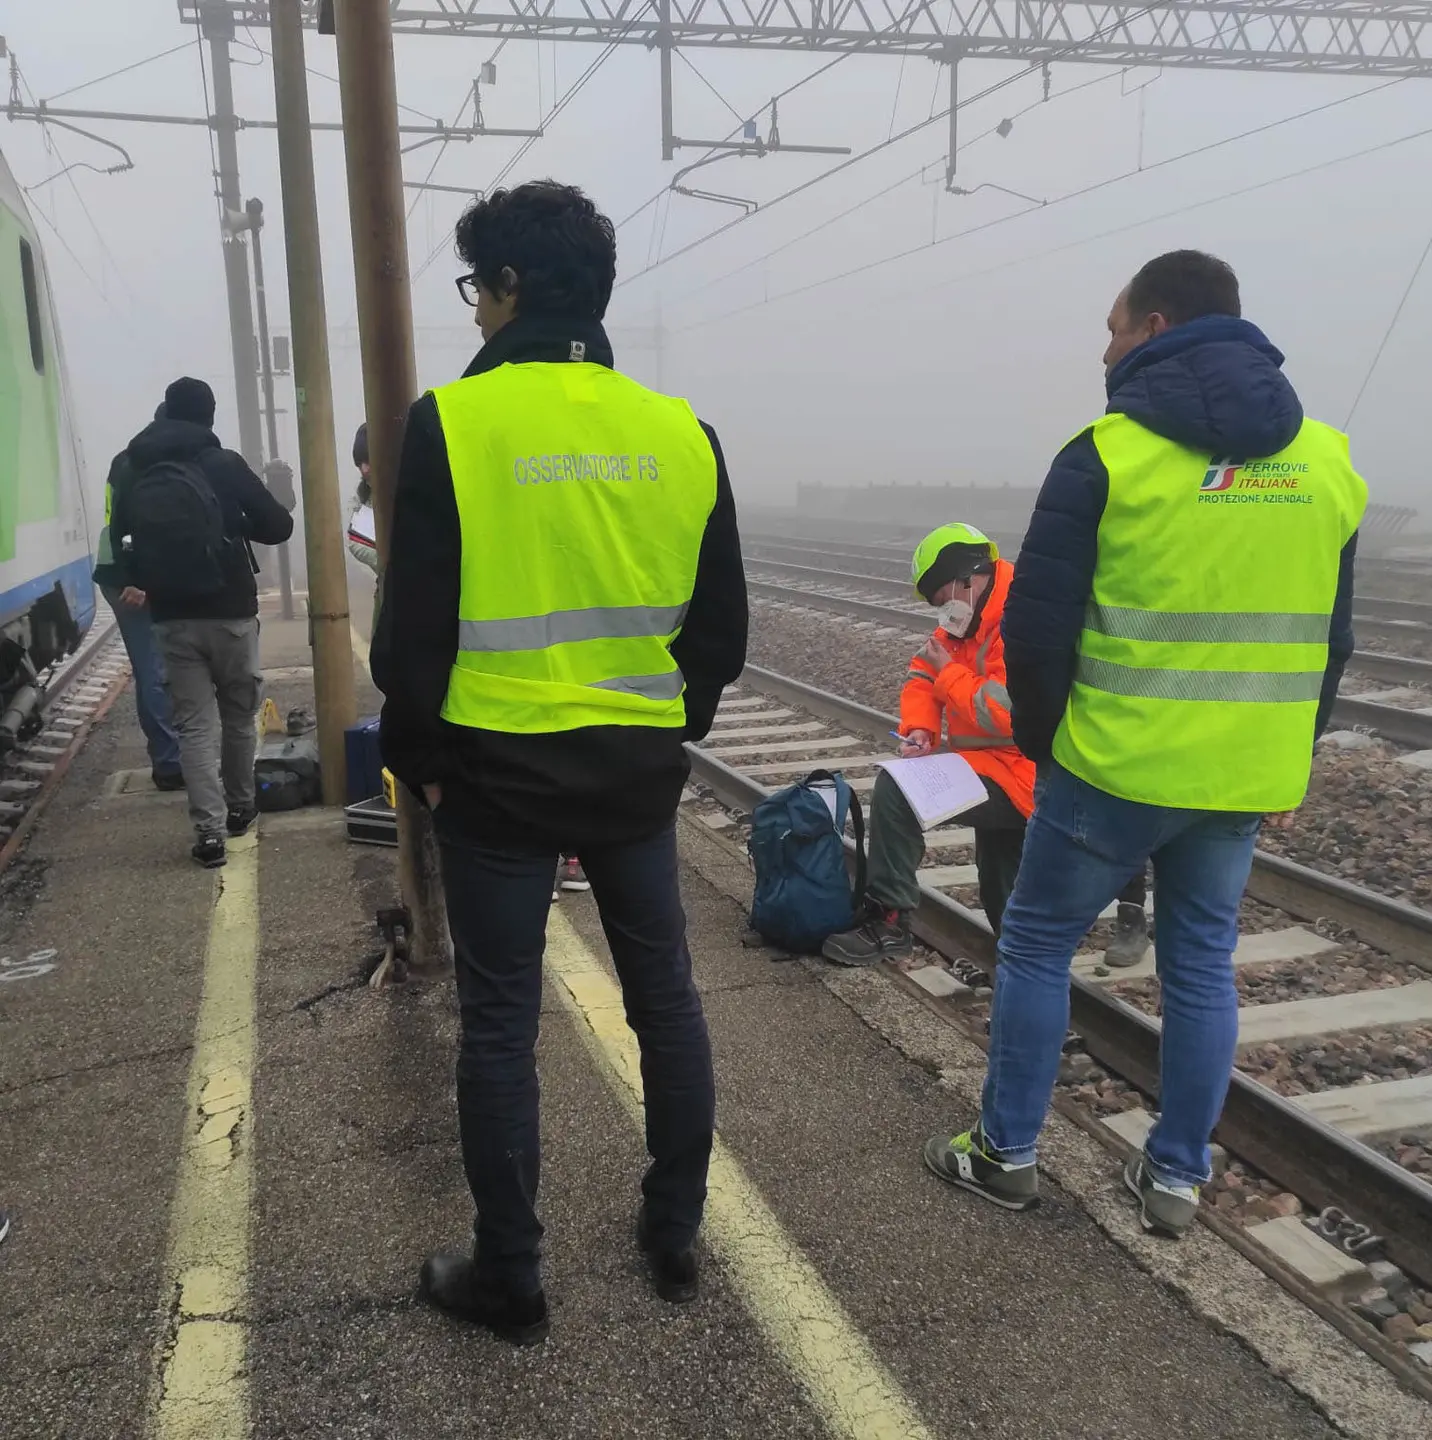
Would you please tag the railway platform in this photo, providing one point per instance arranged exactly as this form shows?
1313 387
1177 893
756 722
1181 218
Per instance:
225 1156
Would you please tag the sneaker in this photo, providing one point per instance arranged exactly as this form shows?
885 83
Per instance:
209 851
571 875
241 818
1164 1208
1131 937
4 1224
168 780
972 1163
881 935
451 1283
675 1273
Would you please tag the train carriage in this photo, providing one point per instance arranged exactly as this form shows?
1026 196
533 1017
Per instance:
47 597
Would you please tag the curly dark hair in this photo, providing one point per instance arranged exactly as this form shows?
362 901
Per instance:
562 249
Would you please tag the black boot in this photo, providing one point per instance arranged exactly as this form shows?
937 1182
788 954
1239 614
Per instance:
451 1282
675 1273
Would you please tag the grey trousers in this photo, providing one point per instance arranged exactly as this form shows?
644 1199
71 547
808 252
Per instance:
215 688
897 845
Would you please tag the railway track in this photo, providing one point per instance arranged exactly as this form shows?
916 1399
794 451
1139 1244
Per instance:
1369 710
1318 1146
77 695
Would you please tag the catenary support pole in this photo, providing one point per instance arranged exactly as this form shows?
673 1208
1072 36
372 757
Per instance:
330 630
255 212
368 88
218 29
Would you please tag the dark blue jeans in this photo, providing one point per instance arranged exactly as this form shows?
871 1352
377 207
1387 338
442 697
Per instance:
497 910
1081 846
151 699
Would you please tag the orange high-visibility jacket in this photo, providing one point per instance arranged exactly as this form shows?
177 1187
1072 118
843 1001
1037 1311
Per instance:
968 697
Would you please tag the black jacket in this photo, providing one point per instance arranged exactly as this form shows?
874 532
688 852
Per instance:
251 516
1214 385
606 784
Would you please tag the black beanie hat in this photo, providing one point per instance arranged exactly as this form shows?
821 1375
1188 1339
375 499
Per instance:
189 399
360 445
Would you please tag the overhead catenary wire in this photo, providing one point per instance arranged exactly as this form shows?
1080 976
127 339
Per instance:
1185 209
1037 67
1141 169
124 70
1387 334
570 94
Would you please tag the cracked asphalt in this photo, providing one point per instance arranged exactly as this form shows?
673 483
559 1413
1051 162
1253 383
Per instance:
993 1325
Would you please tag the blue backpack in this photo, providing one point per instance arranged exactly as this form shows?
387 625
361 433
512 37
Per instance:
803 892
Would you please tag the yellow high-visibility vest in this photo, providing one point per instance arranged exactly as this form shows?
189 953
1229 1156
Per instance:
582 498
1206 637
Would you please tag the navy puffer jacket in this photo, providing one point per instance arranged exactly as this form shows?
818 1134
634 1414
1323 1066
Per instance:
1214 385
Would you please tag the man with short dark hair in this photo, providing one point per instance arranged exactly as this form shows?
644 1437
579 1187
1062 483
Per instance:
564 602
181 528
1178 623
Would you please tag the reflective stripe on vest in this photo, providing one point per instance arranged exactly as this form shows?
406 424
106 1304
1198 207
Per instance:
1205 640
582 498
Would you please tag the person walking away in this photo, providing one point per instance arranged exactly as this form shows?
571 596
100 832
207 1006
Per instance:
1174 638
563 603
360 519
956 686
136 630
185 522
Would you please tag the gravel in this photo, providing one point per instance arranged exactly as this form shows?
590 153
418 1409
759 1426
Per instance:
1358 967
1333 1061
1367 818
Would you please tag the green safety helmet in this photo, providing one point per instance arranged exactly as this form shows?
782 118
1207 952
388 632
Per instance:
952 551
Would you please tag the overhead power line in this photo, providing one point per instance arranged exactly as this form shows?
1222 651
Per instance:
1387 334
913 250
1141 169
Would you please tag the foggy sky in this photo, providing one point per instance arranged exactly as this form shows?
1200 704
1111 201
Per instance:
969 361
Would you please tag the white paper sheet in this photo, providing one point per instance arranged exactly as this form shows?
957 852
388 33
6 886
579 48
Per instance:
937 786
360 527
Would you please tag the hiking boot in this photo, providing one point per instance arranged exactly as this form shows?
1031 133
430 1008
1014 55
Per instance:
209 851
451 1283
241 817
571 876
1131 937
1165 1208
675 1273
168 780
881 935
972 1163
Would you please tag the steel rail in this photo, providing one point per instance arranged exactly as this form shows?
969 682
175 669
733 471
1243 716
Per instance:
1296 1150
1402 727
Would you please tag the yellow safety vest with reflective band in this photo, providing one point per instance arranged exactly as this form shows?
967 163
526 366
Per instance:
1206 637
583 499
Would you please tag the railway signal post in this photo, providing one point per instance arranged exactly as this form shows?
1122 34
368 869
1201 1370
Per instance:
330 629
368 87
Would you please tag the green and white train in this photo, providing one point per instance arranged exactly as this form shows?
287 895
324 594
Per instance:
47 598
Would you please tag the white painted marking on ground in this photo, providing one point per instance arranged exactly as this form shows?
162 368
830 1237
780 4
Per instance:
35 964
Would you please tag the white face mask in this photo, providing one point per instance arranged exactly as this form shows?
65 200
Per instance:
955 617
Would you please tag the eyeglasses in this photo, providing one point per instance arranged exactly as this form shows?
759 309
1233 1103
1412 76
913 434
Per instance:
467 287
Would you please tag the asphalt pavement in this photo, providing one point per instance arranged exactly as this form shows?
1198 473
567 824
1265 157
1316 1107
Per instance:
838 1273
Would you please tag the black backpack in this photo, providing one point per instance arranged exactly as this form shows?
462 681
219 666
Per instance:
176 530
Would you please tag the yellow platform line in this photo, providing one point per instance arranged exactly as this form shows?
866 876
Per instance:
200 1387
840 1373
